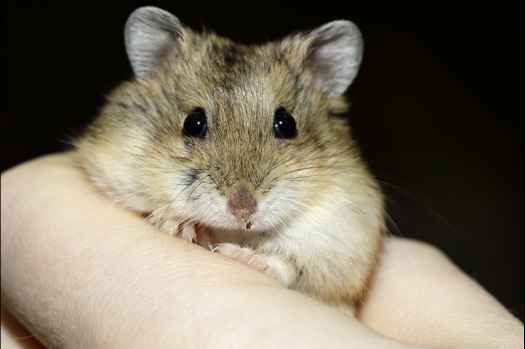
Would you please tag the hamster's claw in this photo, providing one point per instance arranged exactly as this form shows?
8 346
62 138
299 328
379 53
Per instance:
245 255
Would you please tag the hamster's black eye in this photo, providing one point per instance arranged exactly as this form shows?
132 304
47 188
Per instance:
195 124
284 124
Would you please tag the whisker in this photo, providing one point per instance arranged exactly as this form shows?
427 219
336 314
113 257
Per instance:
121 199
424 204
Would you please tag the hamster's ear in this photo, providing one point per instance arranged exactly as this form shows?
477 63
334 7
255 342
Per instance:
151 37
334 56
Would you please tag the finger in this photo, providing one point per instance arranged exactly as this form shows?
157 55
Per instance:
419 296
15 336
78 270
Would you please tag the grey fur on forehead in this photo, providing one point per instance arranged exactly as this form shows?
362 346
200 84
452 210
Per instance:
333 57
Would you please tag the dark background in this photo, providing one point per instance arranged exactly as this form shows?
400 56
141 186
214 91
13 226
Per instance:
437 106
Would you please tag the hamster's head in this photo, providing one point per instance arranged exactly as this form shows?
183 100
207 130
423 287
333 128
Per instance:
227 135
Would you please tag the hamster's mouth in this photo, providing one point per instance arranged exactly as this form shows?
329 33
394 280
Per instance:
202 233
241 224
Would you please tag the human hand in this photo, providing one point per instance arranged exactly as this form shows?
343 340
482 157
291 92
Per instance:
79 272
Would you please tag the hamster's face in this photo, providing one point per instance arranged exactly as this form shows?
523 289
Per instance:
229 136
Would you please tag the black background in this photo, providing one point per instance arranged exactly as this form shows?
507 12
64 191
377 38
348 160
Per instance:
437 105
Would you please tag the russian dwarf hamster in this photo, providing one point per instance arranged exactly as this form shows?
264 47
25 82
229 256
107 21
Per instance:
242 149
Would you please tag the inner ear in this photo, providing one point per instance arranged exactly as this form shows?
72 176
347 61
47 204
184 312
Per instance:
151 37
334 56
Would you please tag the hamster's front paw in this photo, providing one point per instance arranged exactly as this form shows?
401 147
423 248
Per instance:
247 256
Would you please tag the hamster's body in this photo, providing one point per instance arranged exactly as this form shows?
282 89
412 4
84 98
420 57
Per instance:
295 201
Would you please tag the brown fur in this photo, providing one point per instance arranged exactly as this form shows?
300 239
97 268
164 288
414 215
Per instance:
319 222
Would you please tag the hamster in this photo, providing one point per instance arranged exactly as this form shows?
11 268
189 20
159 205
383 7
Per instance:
243 150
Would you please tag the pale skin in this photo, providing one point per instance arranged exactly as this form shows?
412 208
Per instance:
81 272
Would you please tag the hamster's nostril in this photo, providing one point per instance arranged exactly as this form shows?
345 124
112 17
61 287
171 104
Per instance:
242 206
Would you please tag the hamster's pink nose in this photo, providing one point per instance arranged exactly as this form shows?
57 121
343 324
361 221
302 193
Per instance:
242 206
